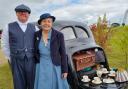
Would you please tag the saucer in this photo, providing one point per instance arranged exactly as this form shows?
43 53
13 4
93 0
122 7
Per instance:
108 81
87 80
105 72
96 82
112 75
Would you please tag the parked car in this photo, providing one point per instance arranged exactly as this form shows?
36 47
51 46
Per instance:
80 42
115 24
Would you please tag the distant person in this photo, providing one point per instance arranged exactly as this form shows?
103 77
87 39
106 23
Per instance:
0 33
18 46
52 68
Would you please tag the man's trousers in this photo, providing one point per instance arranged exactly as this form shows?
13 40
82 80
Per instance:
23 71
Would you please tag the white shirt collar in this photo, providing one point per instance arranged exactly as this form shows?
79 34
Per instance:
20 23
23 26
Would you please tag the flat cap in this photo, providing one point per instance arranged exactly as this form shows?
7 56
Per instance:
23 8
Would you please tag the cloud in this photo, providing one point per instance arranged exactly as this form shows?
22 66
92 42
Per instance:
79 10
37 6
90 10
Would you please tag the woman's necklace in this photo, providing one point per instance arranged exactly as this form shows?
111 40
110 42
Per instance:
45 38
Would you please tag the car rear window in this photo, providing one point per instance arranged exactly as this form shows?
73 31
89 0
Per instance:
80 32
68 33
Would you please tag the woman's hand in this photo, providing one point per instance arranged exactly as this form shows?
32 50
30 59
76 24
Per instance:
64 75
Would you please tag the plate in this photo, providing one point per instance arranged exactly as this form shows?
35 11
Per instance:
99 82
108 81
85 81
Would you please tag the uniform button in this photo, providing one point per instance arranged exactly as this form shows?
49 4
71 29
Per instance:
26 50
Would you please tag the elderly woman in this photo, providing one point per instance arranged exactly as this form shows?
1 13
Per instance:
51 69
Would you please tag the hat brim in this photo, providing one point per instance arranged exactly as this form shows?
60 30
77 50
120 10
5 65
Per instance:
53 18
22 10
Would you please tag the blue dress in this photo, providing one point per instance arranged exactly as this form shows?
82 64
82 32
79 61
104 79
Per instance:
48 76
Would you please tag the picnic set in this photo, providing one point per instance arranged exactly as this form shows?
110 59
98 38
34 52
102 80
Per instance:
92 74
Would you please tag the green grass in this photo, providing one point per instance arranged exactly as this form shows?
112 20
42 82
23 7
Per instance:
5 73
5 77
116 56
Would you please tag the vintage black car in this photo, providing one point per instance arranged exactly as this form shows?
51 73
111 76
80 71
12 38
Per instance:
78 40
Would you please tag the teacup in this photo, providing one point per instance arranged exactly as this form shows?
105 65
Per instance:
112 72
104 70
97 79
85 77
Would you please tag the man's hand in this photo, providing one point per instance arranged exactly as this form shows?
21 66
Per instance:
9 61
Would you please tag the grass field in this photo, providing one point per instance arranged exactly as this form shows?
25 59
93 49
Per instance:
115 57
118 44
5 77
5 73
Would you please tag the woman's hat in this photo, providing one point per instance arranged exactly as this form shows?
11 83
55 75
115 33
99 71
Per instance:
44 16
23 8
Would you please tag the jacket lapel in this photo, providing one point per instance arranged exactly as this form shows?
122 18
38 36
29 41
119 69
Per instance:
53 39
53 36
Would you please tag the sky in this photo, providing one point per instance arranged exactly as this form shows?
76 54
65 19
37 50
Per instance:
86 11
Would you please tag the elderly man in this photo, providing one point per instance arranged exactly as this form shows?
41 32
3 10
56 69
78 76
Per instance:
18 46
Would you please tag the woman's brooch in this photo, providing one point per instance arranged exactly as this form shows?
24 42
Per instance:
37 38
